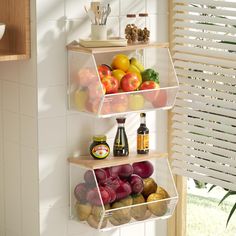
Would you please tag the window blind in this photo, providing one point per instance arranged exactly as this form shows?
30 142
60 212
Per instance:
204 117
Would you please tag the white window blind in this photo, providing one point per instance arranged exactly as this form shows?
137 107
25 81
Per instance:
204 119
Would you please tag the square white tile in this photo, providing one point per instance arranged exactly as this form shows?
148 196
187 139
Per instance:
49 10
52 132
51 54
53 171
52 101
28 101
11 126
7 71
28 131
12 188
10 96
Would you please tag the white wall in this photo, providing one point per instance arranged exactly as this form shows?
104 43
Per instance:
63 133
19 198
37 133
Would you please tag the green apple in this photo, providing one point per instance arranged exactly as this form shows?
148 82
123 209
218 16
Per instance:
136 102
80 98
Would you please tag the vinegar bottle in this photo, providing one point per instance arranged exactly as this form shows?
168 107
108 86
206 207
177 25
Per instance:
121 146
143 136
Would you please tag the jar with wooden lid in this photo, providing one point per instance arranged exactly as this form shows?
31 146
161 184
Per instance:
130 28
143 24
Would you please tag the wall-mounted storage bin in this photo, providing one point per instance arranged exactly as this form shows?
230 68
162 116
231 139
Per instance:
86 92
104 194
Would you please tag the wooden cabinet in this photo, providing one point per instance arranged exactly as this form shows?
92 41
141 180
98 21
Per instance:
15 44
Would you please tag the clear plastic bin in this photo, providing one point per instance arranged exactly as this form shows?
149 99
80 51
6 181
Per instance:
85 89
110 193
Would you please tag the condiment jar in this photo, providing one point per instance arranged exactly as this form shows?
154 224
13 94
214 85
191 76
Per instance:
99 149
130 28
143 24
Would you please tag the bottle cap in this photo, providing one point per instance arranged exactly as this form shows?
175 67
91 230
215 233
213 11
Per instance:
142 114
121 120
131 15
99 138
143 14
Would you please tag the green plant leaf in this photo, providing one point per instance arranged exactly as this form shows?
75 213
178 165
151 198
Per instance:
213 186
231 213
230 192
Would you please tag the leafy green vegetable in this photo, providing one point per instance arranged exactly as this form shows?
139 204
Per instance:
150 75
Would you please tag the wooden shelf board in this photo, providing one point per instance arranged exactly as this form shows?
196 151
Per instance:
75 46
89 162
13 56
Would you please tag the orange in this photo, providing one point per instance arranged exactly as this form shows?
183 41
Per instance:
118 74
120 61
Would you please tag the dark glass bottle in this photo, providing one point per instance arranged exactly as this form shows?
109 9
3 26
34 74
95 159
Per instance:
143 136
121 146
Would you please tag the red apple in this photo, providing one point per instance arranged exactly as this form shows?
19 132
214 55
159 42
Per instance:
86 76
129 82
160 99
104 70
119 103
151 95
111 84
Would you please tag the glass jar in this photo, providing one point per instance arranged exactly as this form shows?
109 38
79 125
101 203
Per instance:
99 149
143 24
130 28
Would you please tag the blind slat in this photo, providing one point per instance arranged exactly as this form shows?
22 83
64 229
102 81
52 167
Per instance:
230 4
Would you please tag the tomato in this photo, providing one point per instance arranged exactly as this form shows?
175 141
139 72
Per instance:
104 70
151 95
118 74
111 84
120 61
129 82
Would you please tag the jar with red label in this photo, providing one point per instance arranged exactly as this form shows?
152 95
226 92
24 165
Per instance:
99 149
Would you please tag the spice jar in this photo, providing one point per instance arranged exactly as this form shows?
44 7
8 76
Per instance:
99 149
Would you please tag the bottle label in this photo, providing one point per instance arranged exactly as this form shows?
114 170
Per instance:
142 141
101 151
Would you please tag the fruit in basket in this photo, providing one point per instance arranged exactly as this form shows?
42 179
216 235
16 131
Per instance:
120 103
111 192
94 223
86 76
136 102
110 83
135 62
80 98
162 191
146 85
139 212
123 171
83 210
144 169
150 75
136 71
123 190
136 183
96 90
121 62
128 201
161 99
93 196
99 173
129 82
121 216
157 208
92 105
150 186
97 211
113 182
118 74
104 70
80 192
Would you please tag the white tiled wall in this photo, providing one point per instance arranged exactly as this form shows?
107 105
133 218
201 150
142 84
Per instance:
37 133
63 133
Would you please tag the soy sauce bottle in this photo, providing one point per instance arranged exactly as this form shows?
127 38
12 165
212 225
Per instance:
121 146
143 136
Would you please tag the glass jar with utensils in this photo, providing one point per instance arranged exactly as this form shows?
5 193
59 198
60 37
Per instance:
98 14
